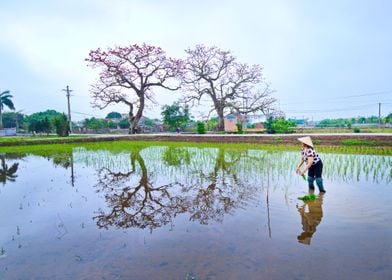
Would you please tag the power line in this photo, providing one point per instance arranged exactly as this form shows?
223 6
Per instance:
83 114
330 111
345 97
368 94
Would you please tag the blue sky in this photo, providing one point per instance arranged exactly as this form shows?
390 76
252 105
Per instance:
323 58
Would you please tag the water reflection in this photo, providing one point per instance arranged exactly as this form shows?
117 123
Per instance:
242 194
311 213
174 156
148 186
137 199
138 203
7 173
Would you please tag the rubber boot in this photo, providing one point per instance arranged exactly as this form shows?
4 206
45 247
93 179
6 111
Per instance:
319 182
311 183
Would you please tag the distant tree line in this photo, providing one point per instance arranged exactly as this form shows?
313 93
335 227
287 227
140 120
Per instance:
348 122
49 121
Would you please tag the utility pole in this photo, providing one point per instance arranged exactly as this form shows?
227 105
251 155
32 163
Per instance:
379 114
69 107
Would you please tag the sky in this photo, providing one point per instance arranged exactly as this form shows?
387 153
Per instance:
324 59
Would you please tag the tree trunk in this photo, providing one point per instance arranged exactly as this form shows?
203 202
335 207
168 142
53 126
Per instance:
221 119
135 119
130 118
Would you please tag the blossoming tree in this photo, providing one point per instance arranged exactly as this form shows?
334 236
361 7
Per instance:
129 74
214 75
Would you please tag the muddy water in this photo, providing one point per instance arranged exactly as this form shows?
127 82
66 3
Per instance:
192 213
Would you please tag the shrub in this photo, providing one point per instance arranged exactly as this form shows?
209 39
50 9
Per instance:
279 125
124 123
357 130
62 125
239 128
201 128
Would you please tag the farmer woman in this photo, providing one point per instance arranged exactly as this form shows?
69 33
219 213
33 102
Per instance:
313 164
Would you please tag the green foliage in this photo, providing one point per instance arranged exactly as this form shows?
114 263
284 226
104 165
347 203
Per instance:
308 197
357 130
111 125
94 123
388 119
124 123
41 122
12 119
113 115
40 125
212 124
341 122
268 125
175 116
358 142
239 128
148 122
201 128
283 126
279 125
5 99
61 125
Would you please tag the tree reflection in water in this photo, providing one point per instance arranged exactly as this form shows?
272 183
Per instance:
143 203
7 173
224 191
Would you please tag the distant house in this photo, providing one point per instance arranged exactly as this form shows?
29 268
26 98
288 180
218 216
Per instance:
259 126
231 121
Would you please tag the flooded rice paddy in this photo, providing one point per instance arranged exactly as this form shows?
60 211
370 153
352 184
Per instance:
167 212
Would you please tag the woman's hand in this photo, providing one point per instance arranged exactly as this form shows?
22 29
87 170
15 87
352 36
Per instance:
298 171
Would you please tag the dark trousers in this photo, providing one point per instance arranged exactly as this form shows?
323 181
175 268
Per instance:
315 173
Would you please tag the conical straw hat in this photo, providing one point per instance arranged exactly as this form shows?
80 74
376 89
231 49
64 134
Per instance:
306 140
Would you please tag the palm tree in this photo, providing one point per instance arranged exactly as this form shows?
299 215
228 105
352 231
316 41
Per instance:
5 99
7 174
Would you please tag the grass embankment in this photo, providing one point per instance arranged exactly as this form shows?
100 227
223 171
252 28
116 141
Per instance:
318 130
18 139
119 146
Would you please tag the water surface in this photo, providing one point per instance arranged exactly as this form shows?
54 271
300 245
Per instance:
157 212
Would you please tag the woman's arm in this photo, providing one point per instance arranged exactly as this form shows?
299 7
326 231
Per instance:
299 165
310 162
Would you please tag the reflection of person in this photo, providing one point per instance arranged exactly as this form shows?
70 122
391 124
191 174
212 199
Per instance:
313 162
311 219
